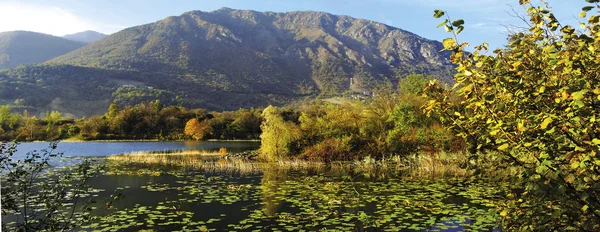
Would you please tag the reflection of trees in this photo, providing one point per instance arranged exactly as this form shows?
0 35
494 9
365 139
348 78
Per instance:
270 184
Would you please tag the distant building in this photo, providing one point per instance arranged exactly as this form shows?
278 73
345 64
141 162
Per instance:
128 86
150 87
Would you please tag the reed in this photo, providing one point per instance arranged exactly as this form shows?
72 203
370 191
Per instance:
185 157
422 165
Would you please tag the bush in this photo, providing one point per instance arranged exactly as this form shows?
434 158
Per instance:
536 103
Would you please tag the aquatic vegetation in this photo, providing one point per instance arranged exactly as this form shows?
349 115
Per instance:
189 199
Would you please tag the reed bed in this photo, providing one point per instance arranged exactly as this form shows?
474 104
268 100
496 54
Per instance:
184 157
424 165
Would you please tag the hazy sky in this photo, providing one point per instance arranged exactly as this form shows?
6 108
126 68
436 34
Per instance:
485 19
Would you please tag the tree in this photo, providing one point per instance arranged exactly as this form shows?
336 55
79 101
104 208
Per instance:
198 130
413 84
8 120
50 205
276 136
113 111
535 104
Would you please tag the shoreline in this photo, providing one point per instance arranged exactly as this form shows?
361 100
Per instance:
129 140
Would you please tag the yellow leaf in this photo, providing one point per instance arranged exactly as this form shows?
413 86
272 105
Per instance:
494 132
579 95
521 127
565 95
542 89
546 122
449 43
596 141
574 165
503 147
584 208
504 213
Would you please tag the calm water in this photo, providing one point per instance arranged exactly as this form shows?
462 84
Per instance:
166 198
74 151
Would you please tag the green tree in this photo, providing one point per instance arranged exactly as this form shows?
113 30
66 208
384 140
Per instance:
535 104
8 120
54 204
413 84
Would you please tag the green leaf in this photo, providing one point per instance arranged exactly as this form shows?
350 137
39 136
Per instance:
587 8
438 14
459 29
458 23
582 14
546 122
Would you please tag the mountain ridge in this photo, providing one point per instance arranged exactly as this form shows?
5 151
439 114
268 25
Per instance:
86 37
27 47
252 59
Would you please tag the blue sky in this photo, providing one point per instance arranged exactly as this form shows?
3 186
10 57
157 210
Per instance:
485 19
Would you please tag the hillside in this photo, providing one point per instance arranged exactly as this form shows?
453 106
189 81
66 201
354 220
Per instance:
85 36
24 47
228 59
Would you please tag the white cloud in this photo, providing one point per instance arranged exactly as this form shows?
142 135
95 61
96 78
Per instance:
47 19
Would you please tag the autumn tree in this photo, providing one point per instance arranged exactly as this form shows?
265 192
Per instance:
196 129
535 105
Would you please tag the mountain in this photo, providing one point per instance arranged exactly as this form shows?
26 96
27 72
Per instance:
227 59
85 36
25 47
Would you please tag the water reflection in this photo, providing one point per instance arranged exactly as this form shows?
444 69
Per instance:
270 182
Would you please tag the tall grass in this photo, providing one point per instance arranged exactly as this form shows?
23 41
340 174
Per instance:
420 165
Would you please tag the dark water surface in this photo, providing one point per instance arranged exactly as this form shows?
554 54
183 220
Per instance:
170 198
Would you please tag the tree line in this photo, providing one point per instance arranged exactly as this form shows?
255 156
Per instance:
142 121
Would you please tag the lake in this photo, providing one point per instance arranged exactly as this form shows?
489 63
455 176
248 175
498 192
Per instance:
73 152
74 149
168 198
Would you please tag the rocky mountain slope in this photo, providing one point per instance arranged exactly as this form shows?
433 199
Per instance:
228 59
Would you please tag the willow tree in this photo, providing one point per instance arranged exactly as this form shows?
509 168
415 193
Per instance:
277 135
534 104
